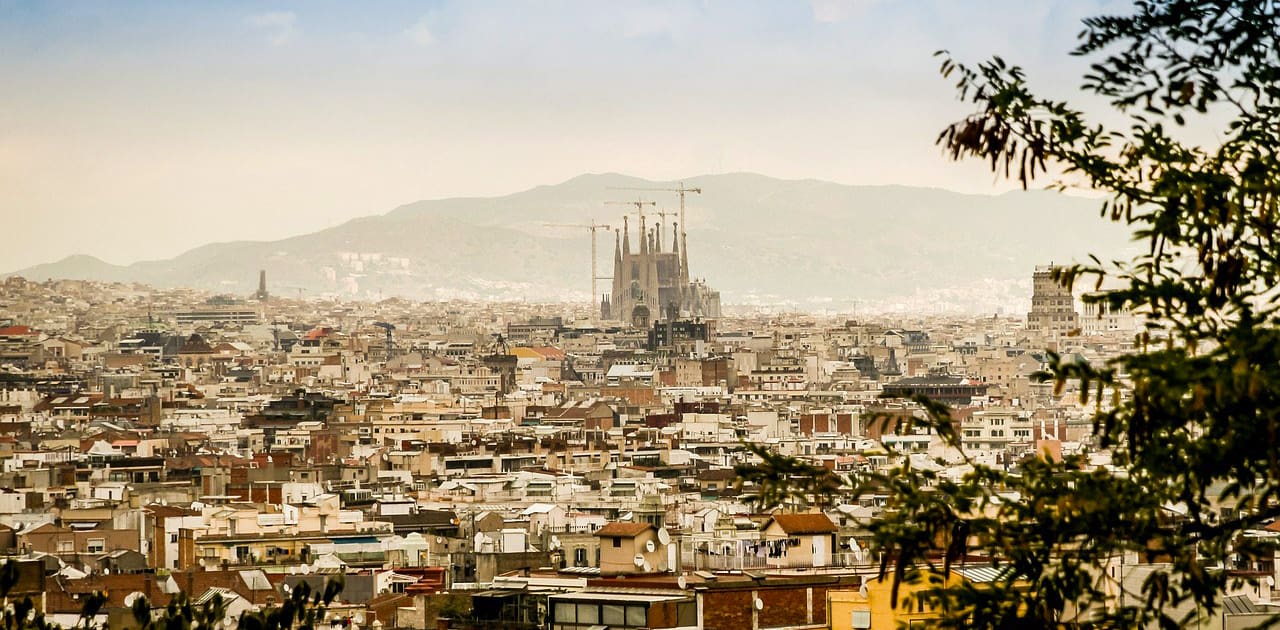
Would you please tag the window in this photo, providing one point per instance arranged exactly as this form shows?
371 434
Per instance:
687 614
861 619
636 616
617 542
580 557
96 545
613 615
565 613
66 546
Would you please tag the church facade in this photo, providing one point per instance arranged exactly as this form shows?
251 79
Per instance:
651 283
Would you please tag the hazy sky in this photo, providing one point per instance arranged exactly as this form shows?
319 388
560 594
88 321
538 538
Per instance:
138 130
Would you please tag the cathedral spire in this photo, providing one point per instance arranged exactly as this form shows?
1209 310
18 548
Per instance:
684 259
644 238
626 237
613 302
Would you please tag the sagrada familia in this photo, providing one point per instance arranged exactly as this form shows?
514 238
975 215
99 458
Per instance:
653 284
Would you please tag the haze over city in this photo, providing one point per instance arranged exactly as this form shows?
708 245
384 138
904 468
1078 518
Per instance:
177 125
640 315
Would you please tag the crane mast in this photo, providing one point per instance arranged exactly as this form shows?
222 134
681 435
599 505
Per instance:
681 190
593 227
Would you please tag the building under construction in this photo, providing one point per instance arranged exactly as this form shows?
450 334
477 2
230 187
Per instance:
651 282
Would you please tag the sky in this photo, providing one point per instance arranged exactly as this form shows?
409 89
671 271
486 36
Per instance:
138 130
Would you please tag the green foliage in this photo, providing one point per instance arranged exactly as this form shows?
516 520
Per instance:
302 610
22 614
786 480
1192 417
180 614
455 606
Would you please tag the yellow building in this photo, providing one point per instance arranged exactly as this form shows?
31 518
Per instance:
872 608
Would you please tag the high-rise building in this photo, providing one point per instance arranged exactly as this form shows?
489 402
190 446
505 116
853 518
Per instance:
1053 307
262 286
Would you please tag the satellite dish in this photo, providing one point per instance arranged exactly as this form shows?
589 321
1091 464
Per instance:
555 542
664 537
682 582
759 604
649 546
638 560
648 568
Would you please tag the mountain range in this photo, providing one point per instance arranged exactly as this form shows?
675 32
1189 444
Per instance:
755 238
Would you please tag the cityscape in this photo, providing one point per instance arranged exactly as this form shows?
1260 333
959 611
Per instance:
663 394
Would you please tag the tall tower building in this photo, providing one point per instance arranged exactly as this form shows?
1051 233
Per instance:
262 286
1053 307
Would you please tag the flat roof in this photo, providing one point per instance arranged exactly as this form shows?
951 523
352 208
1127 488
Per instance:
617 597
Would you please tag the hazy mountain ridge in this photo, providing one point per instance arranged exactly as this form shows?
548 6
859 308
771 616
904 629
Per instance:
749 236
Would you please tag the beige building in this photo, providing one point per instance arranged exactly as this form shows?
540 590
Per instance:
631 548
1053 308
799 540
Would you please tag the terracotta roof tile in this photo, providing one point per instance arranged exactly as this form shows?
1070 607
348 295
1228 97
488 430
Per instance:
805 523
623 530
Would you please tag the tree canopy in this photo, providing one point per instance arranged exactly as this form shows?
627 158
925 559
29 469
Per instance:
1191 418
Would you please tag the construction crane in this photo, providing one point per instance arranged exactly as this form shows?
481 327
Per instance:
639 204
662 220
680 190
593 226
389 328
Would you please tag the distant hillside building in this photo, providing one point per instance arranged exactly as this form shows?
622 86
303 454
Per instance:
1053 307
652 284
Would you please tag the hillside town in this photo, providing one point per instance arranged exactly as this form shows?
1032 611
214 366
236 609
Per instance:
497 465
